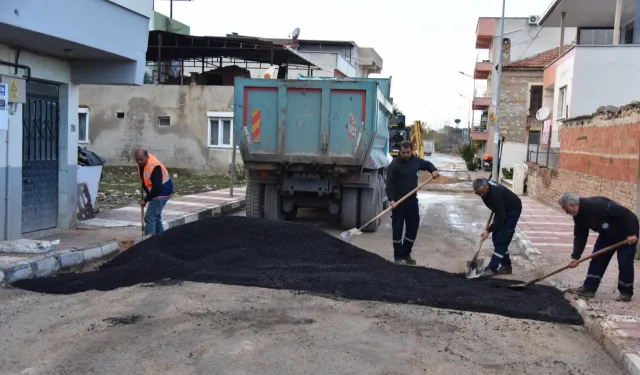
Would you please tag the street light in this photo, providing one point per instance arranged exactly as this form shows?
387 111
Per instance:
474 94
469 121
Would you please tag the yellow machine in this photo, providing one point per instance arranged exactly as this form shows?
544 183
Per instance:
411 133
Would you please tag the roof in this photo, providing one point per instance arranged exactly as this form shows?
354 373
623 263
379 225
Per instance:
313 41
171 46
539 61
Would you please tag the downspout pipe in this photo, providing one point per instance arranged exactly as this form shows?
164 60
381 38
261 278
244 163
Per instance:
17 66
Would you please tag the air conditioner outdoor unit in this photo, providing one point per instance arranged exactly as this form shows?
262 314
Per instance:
533 20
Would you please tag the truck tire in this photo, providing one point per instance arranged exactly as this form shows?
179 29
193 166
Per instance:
370 206
273 203
254 200
349 208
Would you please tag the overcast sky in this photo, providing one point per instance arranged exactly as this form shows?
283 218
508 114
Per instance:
424 43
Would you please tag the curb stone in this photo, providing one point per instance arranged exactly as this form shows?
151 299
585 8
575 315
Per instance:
49 264
605 333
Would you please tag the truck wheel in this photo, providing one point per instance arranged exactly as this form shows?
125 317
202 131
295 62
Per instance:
349 208
273 203
254 200
370 206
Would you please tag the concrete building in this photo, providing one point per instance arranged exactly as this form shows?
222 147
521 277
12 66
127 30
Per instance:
602 68
187 119
337 58
47 49
524 39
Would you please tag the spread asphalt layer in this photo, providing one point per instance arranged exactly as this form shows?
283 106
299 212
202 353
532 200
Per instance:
281 255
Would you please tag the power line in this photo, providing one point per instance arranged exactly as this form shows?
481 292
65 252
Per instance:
531 42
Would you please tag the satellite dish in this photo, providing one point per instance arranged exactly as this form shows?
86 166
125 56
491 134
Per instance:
493 101
295 34
543 113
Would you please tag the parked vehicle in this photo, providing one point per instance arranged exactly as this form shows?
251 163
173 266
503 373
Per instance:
429 147
314 142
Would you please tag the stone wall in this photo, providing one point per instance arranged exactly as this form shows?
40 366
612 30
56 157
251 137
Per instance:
514 101
598 156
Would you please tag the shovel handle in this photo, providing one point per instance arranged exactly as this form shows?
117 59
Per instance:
599 252
475 256
381 214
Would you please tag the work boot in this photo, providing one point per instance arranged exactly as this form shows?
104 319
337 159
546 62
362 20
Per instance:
504 271
582 292
623 298
488 272
410 261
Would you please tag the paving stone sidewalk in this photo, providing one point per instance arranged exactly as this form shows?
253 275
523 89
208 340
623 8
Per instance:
547 236
112 231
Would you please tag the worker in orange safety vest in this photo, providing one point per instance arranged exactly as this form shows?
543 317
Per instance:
158 186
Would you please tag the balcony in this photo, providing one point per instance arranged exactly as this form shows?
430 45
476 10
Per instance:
111 51
479 131
482 70
481 103
484 32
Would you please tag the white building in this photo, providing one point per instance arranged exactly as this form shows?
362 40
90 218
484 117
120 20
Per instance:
603 68
47 49
525 38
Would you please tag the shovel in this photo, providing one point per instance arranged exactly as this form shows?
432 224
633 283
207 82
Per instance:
356 231
472 266
606 249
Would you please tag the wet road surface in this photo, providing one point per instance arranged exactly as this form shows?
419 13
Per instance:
191 328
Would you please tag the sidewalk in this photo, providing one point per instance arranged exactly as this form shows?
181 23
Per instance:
547 237
113 231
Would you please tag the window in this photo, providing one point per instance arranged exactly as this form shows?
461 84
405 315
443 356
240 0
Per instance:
535 99
220 129
595 36
120 114
83 125
164 121
562 103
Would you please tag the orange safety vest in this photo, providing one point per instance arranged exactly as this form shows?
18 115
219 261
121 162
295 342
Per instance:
152 162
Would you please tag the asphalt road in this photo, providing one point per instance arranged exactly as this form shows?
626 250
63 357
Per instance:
193 328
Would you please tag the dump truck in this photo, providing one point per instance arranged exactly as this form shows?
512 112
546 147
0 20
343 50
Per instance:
314 142
411 133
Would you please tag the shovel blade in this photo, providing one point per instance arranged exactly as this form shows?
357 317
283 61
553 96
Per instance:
473 273
518 286
349 233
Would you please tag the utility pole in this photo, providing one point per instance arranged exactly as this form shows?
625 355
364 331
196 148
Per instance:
496 133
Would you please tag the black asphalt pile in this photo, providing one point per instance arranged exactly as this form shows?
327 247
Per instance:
253 252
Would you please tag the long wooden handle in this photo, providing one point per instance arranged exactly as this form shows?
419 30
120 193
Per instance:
475 256
381 214
606 249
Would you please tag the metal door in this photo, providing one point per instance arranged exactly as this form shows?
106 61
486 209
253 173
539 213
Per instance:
40 157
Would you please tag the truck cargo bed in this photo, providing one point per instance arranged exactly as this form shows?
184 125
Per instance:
318 122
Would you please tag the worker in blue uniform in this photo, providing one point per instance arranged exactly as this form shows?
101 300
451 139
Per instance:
614 223
402 178
506 207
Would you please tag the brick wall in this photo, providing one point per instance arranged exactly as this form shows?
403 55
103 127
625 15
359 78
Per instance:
598 156
547 185
514 95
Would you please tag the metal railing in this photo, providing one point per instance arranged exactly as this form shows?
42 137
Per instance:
540 150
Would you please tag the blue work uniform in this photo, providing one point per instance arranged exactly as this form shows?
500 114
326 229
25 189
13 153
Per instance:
506 207
402 177
613 223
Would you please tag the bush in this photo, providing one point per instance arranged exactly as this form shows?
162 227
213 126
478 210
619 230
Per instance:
468 154
240 172
507 173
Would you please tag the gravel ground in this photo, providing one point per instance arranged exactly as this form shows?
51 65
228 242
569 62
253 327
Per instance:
300 257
